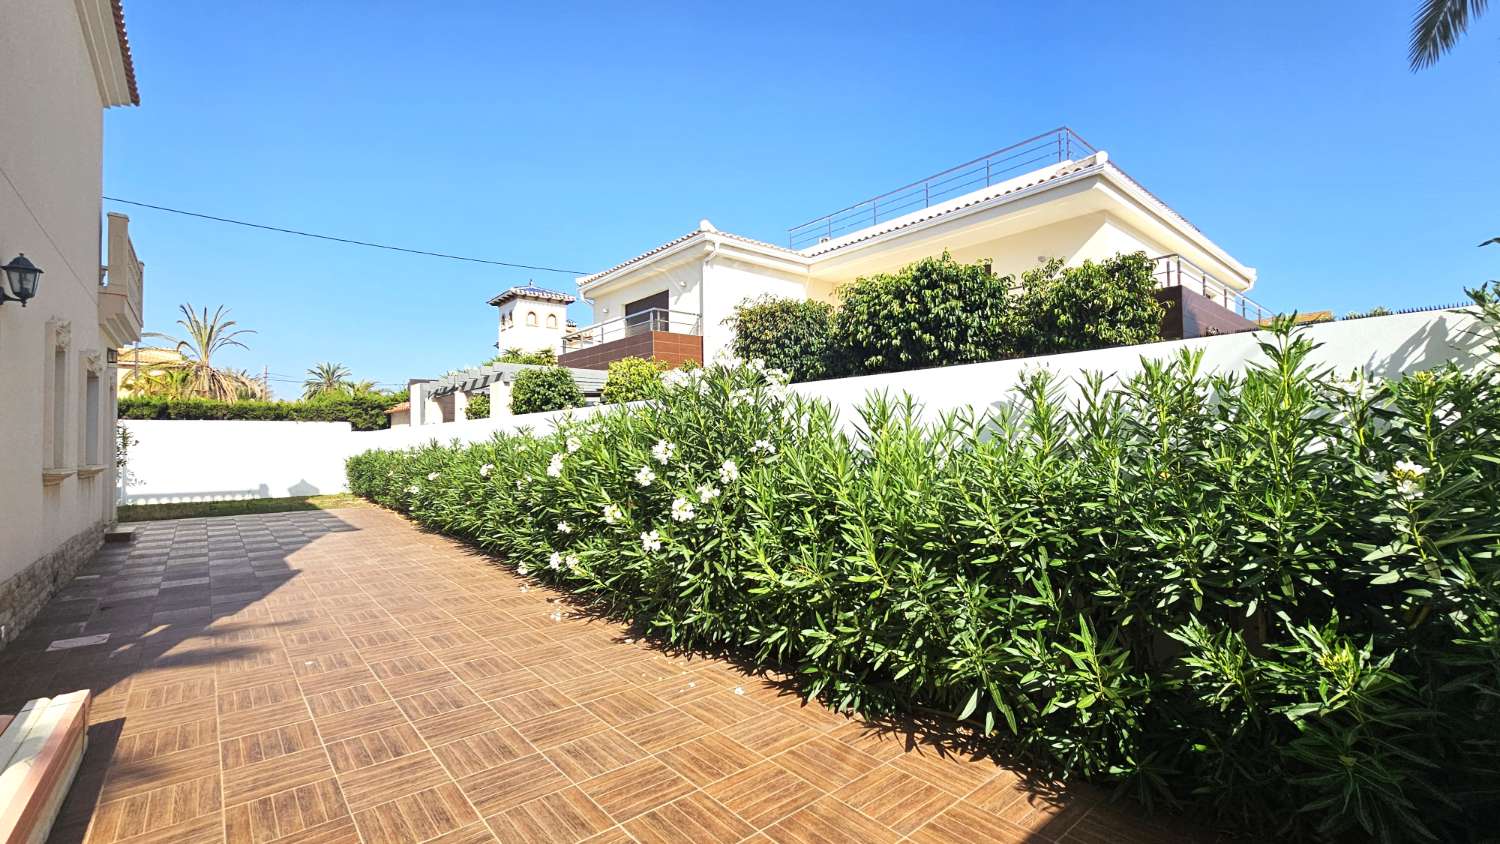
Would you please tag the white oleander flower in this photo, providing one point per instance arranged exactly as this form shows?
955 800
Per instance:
676 378
650 540
555 561
486 469
413 489
682 510
764 447
1409 478
564 527
663 451
523 569
574 444
729 471
644 476
758 364
432 476
740 395
613 514
571 562
1406 467
554 468
707 493
778 376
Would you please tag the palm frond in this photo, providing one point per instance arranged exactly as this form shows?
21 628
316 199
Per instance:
1437 27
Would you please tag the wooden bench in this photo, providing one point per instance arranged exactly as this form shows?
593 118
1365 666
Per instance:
40 750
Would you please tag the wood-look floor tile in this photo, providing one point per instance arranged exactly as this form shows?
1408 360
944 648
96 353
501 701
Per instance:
125 779
145 744
564 817
261 779
153 812
169 694
626 706
482 752
350 723
435 702
771 733
695 817
375 747
665 729
416 817
512 784
595 754
635 788
966 822
826 763
347 698
955 774
708 759
560 727
267 744
530 704
440 729
386 781
828 822
505 684
311 811
764 793
255 708
896 799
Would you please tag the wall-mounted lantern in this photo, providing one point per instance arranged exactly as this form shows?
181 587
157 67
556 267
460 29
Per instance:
23 278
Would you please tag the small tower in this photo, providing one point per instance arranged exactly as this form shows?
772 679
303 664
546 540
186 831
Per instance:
532 318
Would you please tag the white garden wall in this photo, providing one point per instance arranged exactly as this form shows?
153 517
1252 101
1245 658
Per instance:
209 460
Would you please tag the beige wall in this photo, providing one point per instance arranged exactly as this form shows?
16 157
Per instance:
516 334
50 148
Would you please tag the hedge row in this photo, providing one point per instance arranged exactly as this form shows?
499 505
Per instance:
366 411
1272 598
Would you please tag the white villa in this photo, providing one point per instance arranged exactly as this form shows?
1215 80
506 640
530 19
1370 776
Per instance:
1051 196
532 318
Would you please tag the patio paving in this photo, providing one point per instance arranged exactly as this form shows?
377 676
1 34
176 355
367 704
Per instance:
332 676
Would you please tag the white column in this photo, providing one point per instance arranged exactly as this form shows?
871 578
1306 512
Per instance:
418 403
499 400
460 406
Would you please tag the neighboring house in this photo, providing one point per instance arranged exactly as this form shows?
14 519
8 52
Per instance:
142 362
447 398
532 319
1052 196
61 63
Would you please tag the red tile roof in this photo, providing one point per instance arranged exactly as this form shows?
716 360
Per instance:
135 93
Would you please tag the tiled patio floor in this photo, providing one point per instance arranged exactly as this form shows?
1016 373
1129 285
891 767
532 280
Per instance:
341 676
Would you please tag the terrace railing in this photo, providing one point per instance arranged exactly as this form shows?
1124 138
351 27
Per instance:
633 325
1173 270
1059 145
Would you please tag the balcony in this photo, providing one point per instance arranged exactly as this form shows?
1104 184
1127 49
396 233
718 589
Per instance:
1199 304
671 336
122 292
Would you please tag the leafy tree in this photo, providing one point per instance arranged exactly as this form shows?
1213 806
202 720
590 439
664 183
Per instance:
327 378
479 406
1437 27
543 357
206 336
544 388
1090 306
789 334
633 379
935 312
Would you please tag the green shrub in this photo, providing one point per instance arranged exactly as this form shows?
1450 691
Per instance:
541 357
935 312
479 406
789 334
544 388
633 379
1269 597
1090 306
364 411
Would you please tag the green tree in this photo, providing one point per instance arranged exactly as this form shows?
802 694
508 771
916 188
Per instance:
544 388
479 406
935 312
1090 306
633 379
542 357
205 337
1437 27
326 378
789 334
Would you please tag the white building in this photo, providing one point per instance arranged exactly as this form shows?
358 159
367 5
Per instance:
1052 196
532 319
61 63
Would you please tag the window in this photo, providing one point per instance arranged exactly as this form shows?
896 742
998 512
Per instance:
551 320
648 314
531 318
92 437
57 424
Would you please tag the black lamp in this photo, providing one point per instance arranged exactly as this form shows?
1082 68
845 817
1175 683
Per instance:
23 277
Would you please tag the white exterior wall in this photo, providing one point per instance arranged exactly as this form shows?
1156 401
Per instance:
285 456
51 143
731 282
681 282
532 338
218 460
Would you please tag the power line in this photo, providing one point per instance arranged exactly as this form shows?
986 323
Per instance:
343 239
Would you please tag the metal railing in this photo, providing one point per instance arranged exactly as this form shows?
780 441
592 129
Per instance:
633 325
1059 145
1173 270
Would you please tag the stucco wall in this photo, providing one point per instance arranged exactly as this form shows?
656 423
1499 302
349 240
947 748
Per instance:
215 460
50 148
532 338
731 282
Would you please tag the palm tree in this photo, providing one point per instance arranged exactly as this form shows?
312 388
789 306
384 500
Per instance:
326 378
1438 26
207 336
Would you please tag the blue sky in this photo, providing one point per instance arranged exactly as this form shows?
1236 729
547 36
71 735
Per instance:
577 136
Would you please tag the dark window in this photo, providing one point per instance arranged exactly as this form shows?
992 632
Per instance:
648 314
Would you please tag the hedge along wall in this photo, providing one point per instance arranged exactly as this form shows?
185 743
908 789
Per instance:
362 412
1271 597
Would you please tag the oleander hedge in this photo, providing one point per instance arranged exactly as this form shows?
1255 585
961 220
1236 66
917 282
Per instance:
364 411
1272 598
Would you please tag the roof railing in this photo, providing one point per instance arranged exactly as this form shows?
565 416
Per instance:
1054 147
1173 270
632 325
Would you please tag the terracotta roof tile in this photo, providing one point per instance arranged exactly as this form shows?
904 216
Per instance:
119 10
